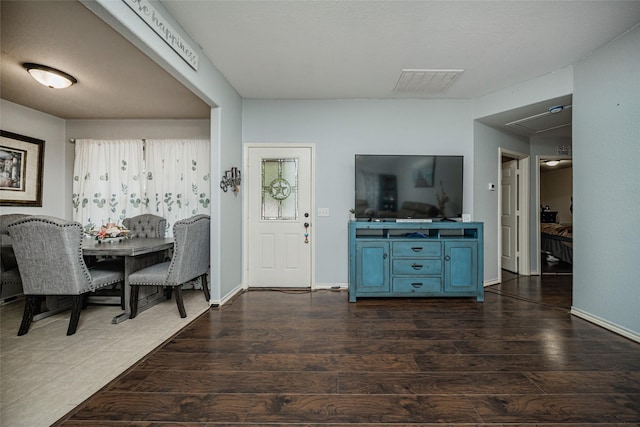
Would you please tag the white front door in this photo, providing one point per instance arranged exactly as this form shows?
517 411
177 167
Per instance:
279 203
509 215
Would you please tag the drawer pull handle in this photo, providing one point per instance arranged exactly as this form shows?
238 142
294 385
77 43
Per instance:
416 249
416 285
417 266
447 258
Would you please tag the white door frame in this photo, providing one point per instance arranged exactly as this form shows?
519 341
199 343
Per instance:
245 204
510 216
524 266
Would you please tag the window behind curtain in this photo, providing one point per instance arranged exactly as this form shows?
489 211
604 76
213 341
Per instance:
118 179
107 181
178 178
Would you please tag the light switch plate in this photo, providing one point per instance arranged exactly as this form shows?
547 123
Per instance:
323 211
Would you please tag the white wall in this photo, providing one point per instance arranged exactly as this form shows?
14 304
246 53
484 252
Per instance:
343 128
548 86
606 108
606 159
487 142
56 190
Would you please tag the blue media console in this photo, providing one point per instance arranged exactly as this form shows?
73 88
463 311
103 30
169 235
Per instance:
405 259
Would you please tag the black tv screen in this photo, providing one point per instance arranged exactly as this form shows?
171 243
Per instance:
408 187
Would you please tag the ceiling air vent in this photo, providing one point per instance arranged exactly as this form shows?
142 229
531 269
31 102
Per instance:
426 81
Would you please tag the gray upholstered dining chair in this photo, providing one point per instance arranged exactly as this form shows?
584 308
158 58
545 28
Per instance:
145 225
48 251
190 260
10 281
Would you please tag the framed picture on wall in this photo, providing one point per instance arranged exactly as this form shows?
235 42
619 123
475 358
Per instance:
21 165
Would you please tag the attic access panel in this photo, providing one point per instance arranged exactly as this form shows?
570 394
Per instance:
544 122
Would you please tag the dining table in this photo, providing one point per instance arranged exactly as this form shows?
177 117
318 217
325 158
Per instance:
138 252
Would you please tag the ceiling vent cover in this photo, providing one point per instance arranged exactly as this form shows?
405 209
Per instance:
426 81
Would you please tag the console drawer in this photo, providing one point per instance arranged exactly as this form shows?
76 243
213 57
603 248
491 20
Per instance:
417 248
417 284
417 266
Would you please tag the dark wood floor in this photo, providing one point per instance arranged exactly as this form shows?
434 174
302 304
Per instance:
301 358
555 267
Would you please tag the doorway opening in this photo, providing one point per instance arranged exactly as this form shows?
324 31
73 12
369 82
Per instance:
556 214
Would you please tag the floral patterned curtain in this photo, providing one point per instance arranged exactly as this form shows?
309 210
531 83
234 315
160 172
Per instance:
178 179
107 184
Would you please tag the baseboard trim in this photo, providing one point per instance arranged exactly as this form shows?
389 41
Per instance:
235 291
620 330
330 286
491 282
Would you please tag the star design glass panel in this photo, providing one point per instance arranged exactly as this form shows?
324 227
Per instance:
279 189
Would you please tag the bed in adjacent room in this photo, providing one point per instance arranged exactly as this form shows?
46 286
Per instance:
557 240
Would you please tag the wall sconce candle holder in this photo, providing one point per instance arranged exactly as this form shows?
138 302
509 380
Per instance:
231 179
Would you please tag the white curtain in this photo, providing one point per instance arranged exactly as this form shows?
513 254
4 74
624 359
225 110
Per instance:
107 181
178 178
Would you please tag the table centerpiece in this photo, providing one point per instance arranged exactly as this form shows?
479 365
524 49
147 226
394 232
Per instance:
109 233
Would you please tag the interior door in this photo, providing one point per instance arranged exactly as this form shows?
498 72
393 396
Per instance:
279 232
509 215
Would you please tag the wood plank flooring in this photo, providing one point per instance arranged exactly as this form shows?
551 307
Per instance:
313 358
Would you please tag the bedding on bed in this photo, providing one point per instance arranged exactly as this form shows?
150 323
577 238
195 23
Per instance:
557 240
557 230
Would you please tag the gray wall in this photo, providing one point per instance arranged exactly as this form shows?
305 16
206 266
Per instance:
342 128
606 159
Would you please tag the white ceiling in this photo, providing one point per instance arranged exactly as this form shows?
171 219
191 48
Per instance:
357 49
115 80
303 49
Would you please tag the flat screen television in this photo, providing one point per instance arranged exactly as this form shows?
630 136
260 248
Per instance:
390 187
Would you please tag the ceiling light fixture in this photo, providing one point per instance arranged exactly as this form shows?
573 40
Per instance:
556 109
552 163
49 77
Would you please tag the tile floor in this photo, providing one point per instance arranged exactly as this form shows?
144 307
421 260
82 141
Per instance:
45 373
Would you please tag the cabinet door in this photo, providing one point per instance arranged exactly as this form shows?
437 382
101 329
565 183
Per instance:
460 266
372 267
